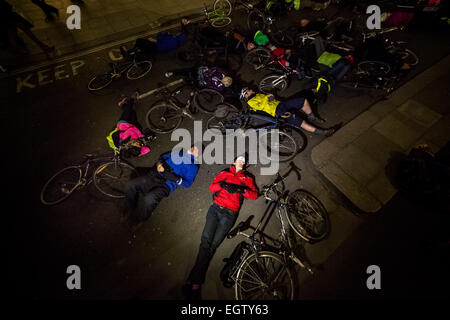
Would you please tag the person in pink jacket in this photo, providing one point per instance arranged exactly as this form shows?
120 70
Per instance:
129 130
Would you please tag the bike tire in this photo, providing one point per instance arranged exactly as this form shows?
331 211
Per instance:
167 111
282 39
100 82
408 57
207 100
255 20
231 120
307 216
285 149
220 21
110 178
259 268
223 7
374 68
258 57
139 69
62 183
273 82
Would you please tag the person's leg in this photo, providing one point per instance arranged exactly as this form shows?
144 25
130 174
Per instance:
198 272
138 185
152 199
337 72
319 46
129 113
188 73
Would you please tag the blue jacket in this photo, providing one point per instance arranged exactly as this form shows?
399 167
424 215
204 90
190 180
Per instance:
187 170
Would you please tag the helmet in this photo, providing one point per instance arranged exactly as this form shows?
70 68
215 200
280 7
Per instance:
243 93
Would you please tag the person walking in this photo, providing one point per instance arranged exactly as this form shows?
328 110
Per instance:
229 188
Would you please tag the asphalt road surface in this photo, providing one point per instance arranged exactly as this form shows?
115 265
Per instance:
51 120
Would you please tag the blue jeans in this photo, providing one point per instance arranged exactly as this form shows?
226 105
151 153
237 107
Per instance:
218 223
289 106
339 69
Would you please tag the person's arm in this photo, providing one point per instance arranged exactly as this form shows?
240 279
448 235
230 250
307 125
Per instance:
188 176
250 192
215 184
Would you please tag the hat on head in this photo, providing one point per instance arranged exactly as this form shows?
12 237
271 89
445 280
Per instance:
260 38
241 159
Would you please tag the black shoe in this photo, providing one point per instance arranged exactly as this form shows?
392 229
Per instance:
308 73
312 117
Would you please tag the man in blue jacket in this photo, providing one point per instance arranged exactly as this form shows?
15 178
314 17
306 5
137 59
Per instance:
159 182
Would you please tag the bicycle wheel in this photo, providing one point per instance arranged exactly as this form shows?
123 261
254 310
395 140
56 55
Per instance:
61 185
163 117
222 7
278 144
207 100
264 276
282 39
229 119
374 68
408 56
110 178
220 21
139 69
307 216
100 81
274 82
255 20
258 57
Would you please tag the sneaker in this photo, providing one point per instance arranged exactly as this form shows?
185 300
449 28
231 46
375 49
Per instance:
168 74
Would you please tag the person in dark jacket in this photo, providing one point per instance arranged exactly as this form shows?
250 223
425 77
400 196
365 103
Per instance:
163 178
229 189
210 77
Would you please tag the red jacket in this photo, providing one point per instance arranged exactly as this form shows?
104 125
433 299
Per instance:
233 201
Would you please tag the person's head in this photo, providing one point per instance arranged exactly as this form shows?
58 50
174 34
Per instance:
239 163
196 149
246 93
227 81
304 22
131 152
250 46
184 20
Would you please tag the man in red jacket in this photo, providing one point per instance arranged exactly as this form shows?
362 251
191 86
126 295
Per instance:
229 189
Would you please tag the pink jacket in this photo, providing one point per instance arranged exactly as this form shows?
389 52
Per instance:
128 130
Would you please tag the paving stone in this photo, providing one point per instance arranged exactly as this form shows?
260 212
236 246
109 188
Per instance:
439 135
419 113
397 131
382 188
383 108
357 164
323 153
436 95
350 188
377 146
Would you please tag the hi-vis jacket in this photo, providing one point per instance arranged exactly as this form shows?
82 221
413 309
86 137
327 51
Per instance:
260 102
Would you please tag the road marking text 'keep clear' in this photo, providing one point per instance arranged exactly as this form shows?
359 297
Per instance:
50 75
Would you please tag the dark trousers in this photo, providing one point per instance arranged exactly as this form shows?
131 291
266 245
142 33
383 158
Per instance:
337 72
290 106
154 189
218 223
129 114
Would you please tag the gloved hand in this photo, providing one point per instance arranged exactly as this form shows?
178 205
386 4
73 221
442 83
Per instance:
168 175
232 188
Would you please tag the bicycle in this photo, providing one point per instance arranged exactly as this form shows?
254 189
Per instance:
108 177
262 271
134 70
217 18
258 19
202 52
166 115
291 140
